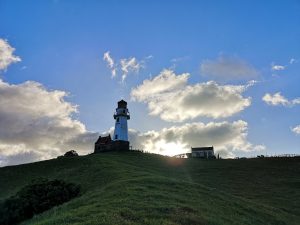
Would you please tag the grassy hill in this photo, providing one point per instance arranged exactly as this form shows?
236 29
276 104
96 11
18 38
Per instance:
136 188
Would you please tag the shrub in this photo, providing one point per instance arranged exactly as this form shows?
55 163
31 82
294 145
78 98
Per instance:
71 153
35 198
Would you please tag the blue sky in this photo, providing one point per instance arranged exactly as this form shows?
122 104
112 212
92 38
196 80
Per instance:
62 43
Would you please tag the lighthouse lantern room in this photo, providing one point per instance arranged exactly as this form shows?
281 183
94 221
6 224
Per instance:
121 116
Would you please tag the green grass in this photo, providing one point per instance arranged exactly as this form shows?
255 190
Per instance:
135 188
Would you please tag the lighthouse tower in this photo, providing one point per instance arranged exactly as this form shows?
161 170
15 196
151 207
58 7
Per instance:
121 116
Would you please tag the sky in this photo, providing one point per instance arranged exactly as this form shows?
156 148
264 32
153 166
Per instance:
194 73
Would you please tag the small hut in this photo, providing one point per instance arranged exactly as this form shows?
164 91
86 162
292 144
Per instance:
203 152
103 144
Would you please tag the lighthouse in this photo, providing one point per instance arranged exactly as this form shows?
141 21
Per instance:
119 142
121 116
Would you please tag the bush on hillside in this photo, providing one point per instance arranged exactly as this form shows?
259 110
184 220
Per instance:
35 198
71 153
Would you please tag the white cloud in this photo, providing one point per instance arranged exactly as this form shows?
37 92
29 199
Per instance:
166 81
110 63
296 129
38 123
227 138
228 68
130 65
125 65
277 67
278 99
6 55
108 59
169 97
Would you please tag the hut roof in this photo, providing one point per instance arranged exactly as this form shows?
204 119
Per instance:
104 140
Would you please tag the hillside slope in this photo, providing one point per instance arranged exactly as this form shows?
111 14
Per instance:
136 188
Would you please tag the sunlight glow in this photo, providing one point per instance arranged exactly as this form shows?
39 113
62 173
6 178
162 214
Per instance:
170 148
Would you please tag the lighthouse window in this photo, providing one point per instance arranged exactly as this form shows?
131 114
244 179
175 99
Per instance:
118 119
116 136
124 111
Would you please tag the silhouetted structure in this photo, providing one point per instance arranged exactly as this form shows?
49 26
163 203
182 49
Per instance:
203 152
71 153
120 140
102 144
105 144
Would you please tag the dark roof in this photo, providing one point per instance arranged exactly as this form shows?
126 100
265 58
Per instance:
203 148
104 140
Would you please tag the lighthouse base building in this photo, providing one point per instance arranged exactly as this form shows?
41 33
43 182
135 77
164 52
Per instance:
120 139
105 144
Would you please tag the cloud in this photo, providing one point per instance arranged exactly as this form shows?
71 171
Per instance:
110 63
6 55
228 68
296 129
37 123
108 59
125 65
20 158
169 97
166 81
278 99
228 139
130 65
277 67
292 61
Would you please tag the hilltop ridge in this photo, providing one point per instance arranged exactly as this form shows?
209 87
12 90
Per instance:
136 188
